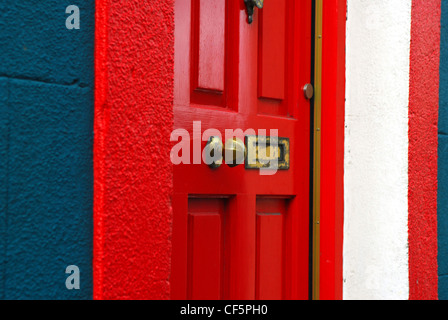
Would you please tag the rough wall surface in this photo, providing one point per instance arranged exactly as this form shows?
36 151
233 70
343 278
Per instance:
46 172
376 150
423 118
133 174
442 198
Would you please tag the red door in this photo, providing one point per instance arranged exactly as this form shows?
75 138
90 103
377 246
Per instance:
241 233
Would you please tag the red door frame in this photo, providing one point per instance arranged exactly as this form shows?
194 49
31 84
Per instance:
132 170
332 149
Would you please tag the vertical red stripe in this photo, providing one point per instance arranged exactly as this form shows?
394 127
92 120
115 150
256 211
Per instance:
332 154
134 54
423 121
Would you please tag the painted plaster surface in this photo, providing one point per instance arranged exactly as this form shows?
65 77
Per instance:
133 172
442 201
376 150
423 117
46 130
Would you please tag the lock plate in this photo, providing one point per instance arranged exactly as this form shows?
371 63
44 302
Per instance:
267 153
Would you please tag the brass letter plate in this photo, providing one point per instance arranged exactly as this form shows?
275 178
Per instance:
267 153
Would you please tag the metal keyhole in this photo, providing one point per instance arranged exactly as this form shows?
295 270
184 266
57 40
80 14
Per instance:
250 6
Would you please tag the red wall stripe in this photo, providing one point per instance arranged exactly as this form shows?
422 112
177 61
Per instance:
134 69
423 121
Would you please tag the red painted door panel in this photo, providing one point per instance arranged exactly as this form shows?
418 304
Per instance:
238 234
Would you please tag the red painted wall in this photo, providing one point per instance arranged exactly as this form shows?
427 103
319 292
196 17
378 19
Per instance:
423 121
133 174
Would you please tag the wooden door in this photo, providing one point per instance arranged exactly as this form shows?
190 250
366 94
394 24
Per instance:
240 233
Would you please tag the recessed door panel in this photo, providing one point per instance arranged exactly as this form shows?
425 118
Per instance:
269 272
272 50
205 248
209 35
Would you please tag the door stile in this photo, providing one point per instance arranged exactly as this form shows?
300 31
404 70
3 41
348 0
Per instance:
242 226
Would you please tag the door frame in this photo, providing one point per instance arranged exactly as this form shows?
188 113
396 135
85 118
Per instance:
132 241
328 149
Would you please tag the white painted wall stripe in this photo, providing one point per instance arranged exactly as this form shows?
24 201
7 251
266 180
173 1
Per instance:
376 150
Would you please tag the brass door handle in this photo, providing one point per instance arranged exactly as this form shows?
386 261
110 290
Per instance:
213 152
233 152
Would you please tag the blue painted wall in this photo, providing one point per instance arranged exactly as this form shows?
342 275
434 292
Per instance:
442 201
46 139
